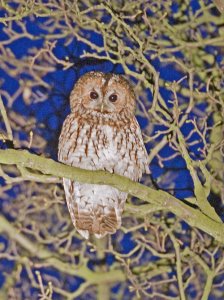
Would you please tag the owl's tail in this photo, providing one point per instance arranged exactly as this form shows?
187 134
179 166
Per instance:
100 221
92 208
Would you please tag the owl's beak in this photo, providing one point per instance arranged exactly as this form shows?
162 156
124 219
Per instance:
102 107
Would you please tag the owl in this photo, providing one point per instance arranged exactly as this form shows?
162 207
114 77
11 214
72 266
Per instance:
101 133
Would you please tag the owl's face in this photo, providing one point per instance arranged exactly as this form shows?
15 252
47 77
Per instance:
104 93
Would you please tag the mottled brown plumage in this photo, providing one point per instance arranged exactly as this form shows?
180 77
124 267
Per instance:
101 133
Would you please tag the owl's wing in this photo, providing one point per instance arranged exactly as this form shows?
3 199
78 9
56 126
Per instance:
138 154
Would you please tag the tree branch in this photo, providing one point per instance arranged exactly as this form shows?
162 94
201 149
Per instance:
193 216
50 258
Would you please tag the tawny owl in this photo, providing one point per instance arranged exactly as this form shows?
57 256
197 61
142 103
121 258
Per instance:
101 133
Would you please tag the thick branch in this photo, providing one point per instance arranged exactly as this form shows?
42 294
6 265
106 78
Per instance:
192 216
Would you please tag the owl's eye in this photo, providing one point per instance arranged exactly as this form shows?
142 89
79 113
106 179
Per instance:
113 98
94 95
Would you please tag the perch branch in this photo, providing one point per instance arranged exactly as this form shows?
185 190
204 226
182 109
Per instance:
193 216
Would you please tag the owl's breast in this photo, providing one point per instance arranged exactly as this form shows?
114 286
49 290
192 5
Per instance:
102 147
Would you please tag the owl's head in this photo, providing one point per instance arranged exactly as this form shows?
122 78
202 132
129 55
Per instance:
103 92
